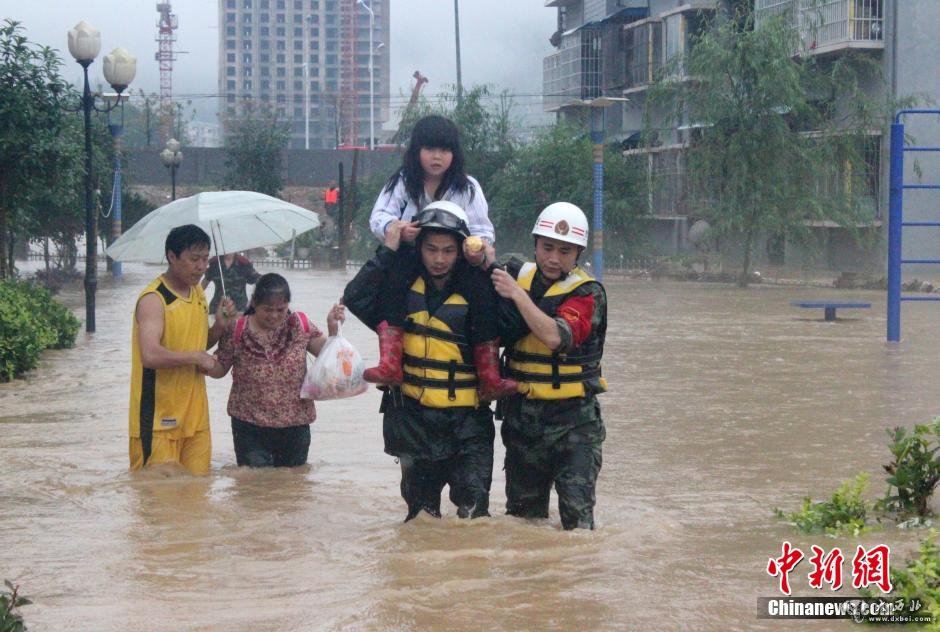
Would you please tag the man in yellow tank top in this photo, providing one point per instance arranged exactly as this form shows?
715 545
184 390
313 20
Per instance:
169 410
554 324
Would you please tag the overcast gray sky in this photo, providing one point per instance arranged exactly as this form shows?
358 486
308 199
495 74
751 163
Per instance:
502 41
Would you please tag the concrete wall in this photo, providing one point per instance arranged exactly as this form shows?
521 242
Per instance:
205 166
595 10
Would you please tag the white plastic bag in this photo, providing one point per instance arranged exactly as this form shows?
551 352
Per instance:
336 373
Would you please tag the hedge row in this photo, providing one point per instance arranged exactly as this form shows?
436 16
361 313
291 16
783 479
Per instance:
30 321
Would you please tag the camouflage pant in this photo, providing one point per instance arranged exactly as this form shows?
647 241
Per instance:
469 474
552 442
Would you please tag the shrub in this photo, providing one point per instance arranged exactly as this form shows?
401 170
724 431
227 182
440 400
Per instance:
30 321
845 512
919 581
915 471
10 621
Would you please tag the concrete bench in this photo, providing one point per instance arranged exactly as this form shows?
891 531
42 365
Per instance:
830 307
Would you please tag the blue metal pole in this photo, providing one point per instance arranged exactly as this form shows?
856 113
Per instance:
597 137
116 133
895 205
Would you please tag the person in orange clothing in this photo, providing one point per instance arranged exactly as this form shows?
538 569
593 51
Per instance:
169 409
331 200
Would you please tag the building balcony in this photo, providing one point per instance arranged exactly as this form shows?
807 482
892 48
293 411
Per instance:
572 74
830 26
660 44
643 52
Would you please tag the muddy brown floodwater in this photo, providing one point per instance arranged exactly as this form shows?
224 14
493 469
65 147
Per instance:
723 403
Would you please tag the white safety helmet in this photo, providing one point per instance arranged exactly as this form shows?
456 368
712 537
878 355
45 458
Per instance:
446 215
563 221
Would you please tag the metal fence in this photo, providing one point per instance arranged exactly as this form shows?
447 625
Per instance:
896 223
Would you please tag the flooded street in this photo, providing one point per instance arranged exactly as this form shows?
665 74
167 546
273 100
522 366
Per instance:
723 404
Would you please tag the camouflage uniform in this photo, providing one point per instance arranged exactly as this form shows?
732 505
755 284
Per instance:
236 277
553 441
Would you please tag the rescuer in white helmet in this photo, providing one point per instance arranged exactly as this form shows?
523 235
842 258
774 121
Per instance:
553 325
438 364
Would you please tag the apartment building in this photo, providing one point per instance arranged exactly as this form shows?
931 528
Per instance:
589 58
308 60
618 47
615 48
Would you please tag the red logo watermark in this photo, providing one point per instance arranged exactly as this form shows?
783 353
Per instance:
870 567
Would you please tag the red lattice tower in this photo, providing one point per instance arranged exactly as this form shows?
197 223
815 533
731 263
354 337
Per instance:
349 98
165 56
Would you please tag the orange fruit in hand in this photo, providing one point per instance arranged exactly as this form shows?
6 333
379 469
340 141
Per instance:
474 243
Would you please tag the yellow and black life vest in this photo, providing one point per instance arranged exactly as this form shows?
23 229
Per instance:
548 375
438 365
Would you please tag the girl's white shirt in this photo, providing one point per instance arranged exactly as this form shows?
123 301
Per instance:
396 204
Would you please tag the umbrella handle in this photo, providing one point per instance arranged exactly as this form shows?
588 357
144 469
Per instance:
218 258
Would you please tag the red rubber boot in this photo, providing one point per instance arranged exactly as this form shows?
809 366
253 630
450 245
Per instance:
492 386
391 349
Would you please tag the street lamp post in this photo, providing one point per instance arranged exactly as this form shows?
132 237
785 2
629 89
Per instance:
117 131
172 157
457 42
371 73
596 109
597 235
119 69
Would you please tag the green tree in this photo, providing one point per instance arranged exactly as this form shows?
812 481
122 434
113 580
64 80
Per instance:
56 208
147 123
254 141
780 138
141 121
557 166
30 119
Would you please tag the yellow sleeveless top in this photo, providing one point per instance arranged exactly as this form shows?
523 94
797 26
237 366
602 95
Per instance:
171 400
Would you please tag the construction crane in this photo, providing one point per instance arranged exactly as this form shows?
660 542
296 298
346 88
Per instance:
165 56
420 80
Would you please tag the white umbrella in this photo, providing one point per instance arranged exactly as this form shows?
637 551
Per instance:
236 220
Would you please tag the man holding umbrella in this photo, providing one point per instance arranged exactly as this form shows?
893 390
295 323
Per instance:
169 410
169 413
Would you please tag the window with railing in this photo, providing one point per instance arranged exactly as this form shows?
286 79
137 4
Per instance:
591 67
859 182
828 24
670 188
643 53
672 37
614 61
680 32
574 72
825 22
